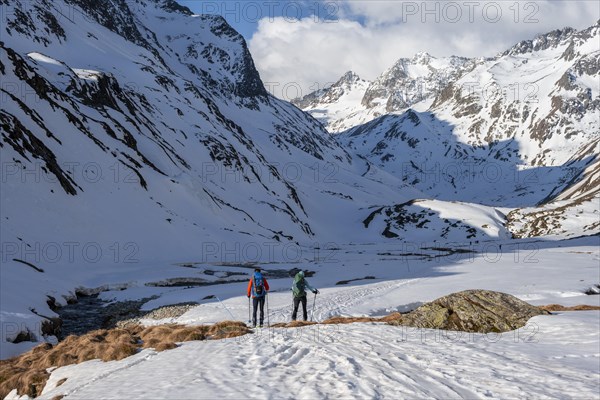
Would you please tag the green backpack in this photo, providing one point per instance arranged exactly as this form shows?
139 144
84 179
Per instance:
299 286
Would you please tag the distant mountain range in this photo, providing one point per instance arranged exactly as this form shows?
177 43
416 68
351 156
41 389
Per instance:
520 130
352 100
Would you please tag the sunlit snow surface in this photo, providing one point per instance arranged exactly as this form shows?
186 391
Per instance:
552 356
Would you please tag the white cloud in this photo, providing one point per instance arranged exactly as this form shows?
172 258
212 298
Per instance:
302 55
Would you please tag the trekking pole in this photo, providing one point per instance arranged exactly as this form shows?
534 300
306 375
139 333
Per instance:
268 319
249 310
313 310
225 307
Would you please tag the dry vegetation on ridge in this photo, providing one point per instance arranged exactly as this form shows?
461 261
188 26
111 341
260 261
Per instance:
28 372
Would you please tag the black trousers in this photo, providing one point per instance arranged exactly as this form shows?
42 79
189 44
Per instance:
258 301
297 301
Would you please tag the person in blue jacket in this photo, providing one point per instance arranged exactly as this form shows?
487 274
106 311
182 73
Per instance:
258 287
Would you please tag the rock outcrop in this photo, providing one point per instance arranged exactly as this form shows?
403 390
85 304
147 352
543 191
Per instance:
481 311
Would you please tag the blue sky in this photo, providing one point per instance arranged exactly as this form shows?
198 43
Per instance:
304 45
244 16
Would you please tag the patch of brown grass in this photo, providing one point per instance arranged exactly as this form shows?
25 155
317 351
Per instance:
161 336
349 320
393 317
152 336
30 381
162 346
27 372
297 324
558 307
227 329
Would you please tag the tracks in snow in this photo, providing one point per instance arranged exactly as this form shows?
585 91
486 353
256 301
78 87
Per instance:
328 305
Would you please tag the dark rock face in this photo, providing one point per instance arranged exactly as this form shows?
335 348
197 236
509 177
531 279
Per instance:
481 311
52 327
401 220
26 143
24 336
172 5
113 15
249 83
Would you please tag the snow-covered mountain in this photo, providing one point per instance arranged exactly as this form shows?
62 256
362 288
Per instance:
338 106
519 130
352 101
137 135
142 120
410 81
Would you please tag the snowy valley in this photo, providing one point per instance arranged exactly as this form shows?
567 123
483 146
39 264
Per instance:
144 161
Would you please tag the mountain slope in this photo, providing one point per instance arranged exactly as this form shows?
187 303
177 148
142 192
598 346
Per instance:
138 135
338 106
181 114
519 130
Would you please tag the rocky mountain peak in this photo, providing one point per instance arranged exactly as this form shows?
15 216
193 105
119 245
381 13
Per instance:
173 6
348 78
248 82
331 94
422 57
542 42
592 31
397 69
221 61
410 81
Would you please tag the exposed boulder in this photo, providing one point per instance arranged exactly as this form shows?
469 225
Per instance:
480 311
52 327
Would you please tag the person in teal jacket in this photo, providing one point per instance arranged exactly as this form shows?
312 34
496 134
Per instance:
299 288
